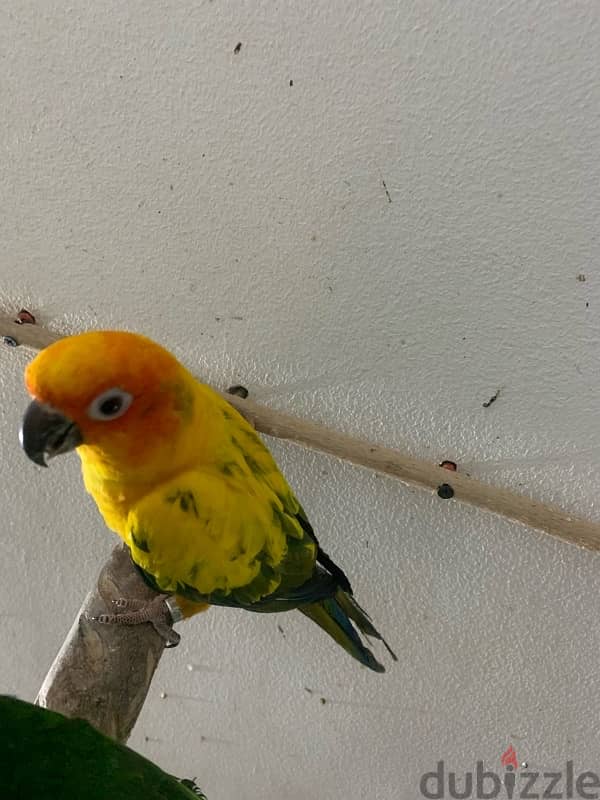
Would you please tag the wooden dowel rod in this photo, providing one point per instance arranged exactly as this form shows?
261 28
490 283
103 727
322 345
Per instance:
413 471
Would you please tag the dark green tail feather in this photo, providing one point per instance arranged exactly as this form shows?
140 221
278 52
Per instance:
362 620
333 615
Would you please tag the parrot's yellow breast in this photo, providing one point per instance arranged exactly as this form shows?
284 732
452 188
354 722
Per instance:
214 516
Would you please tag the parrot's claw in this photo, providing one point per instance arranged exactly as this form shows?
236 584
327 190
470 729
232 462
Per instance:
128 604
135 612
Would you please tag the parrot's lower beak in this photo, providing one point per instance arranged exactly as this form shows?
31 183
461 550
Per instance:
46 433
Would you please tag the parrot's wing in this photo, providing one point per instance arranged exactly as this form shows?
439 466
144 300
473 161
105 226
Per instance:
251 457
46 755
227 542
322 558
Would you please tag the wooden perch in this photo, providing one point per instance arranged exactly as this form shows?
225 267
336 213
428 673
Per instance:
102 673
414 471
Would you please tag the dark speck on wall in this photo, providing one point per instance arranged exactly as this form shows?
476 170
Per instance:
291 83
492 399
387 194
237 48
238 390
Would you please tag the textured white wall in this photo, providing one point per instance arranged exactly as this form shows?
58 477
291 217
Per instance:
153 179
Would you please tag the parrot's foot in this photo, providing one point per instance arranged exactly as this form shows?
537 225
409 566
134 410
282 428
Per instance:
158 612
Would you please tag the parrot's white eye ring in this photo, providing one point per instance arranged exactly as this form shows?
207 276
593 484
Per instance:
111 404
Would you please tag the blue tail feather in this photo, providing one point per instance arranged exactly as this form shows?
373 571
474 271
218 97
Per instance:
330 616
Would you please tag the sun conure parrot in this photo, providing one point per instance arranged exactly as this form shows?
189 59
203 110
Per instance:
49 757
184 479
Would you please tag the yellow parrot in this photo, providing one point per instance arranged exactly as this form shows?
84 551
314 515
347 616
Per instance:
189 486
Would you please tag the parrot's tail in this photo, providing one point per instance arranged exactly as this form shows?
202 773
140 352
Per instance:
335 615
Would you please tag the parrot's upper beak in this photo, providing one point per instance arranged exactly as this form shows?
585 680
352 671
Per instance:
46 433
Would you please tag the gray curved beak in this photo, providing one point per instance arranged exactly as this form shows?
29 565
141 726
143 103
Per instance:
46 433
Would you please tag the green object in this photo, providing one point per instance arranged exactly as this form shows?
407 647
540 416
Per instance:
46 756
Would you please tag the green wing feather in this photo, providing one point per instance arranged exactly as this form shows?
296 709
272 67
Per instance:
45 755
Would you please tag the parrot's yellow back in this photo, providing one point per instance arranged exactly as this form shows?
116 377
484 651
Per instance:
185 481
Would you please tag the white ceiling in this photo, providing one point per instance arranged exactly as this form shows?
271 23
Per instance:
153 179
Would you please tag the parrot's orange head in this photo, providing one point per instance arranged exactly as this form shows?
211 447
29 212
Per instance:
115 392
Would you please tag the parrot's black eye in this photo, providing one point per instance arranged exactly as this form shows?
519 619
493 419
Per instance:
110 404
